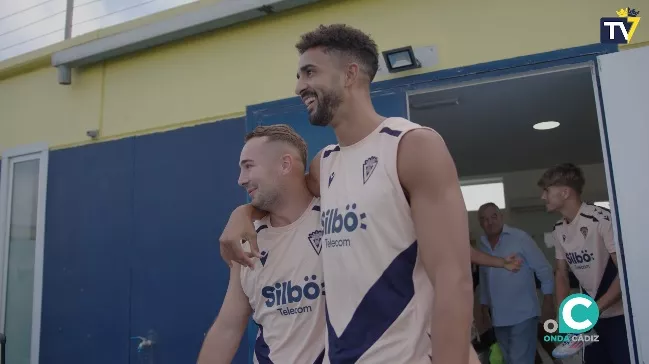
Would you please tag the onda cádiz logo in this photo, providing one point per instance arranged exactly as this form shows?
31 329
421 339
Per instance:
578 314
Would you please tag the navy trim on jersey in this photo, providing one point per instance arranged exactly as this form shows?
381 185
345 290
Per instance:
320 358
589 217
262 227
610 272
327 152
394 133
429 356
573 281
381 306
315 208
262 351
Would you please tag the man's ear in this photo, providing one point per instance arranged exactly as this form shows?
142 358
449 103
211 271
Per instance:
352 73
287 163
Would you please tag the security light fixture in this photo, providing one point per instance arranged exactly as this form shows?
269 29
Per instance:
400 59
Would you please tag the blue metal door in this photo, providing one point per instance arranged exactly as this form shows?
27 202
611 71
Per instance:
185 187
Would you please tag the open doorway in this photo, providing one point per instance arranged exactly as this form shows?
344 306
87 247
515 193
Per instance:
489 127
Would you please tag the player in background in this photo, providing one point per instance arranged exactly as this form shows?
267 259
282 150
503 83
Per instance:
586 246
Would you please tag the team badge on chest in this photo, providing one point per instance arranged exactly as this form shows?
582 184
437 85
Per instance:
315 238
368 167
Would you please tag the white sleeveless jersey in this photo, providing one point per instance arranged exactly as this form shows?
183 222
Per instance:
586 244
286 291
379 298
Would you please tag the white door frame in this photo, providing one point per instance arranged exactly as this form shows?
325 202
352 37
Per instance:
486 78
38 151
625 173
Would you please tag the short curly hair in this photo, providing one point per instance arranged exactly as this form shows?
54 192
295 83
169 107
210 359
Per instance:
565 174
281 133
346 40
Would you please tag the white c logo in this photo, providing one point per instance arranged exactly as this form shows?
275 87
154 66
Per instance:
567 313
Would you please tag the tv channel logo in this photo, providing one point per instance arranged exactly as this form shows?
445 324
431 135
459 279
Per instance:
619 30
578 313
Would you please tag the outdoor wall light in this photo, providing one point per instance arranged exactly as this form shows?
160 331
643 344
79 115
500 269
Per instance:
400 59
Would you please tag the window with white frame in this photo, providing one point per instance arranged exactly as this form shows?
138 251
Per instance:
23 185
478 192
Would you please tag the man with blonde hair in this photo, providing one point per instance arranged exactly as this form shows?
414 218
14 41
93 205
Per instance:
283 290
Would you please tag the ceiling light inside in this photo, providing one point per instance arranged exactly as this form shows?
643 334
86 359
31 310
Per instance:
546 125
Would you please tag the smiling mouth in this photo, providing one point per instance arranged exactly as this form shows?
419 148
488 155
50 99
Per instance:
251 192
309 101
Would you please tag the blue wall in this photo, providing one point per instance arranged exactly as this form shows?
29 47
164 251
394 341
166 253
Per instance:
131 245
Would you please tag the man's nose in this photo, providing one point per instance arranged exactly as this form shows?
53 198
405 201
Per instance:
300 86
243 180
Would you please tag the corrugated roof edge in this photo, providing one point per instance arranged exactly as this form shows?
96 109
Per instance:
145 32
184 25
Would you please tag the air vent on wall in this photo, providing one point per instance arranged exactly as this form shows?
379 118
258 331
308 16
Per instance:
434 104
534 204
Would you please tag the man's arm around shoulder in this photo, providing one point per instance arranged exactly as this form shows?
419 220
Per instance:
428 174
313 176
223 338
240 225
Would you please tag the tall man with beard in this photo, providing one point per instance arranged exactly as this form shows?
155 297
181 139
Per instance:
395 254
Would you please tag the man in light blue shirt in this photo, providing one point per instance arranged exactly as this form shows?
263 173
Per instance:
511 298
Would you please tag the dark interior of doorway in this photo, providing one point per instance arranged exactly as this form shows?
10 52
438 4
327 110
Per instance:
488 126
